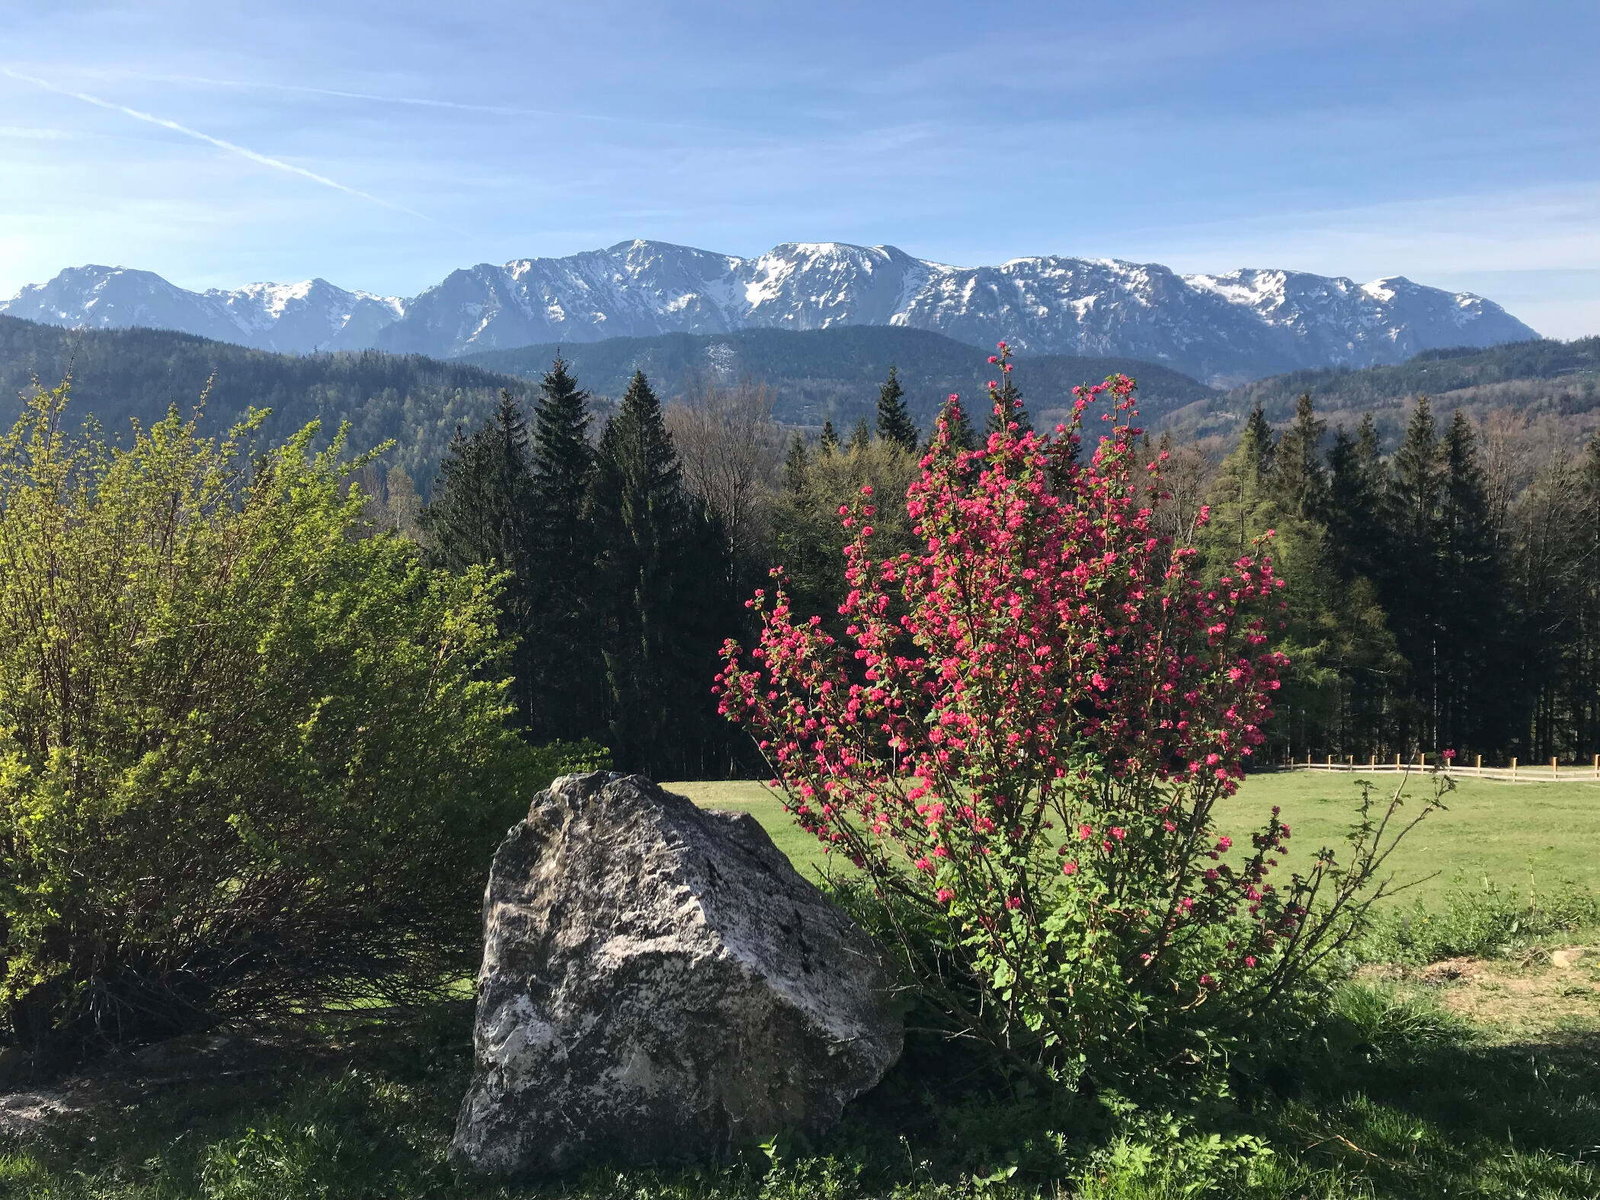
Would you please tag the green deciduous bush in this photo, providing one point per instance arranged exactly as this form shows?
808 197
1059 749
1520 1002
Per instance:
250 758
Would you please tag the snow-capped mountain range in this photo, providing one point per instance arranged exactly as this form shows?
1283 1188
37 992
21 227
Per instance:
1220 328
292 318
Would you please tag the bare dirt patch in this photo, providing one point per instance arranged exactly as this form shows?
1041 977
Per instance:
1542 996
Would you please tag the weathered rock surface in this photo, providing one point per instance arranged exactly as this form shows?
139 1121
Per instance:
659 985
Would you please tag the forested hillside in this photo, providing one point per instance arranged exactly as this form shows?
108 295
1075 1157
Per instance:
833 374
118 374
419 402
1543 378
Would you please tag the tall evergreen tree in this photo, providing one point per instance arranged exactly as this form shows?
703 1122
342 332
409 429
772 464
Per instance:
795 464
894 420
860 437
801 529
1298 476
560 657
1334 633
1475 621
1243 504
1357 504
480 515
662 575
1585 670
1412 587
1258 443
560 456
829 441
1360 553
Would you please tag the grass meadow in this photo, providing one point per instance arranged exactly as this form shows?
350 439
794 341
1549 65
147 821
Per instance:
1523 838
1459 1062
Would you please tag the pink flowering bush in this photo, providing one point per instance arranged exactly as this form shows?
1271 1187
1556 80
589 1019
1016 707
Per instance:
1022 737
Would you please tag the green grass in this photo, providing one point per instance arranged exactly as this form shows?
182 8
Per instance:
1390 1097
1487 1088
1543 836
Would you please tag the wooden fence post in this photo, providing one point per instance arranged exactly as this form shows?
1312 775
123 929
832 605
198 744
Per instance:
1477 763
1513 766
1555 770
1597 766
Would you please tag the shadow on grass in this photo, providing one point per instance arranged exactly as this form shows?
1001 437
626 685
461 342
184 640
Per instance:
1391 1099
1405 1101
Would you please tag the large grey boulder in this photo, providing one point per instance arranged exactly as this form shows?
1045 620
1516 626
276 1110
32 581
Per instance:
659 985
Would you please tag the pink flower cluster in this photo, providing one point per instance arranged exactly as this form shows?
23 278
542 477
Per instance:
1046 676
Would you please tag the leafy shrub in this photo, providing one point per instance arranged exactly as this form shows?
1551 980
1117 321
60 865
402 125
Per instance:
1482 922
249 757
1021 738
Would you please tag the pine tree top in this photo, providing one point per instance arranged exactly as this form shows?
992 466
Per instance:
894 419
860 436
796 462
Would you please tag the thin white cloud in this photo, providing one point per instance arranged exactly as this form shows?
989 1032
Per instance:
503 110
265 160
30 133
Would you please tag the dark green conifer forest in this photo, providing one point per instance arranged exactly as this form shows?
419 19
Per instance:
1439 594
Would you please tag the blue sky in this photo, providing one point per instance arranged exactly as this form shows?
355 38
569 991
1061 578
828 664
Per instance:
380 145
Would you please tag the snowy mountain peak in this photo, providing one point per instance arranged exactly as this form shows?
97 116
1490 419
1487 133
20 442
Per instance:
288 317
1224 328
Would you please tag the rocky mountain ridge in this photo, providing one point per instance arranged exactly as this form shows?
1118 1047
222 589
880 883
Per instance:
1223 329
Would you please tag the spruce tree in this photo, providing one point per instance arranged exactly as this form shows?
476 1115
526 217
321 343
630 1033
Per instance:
806 535
1357 504
1585 549
561 659
795 463
560 456
662 590
1476 707
1298 477
1243 504
860 437
1412 589
829 441
480 515
894 420
1258 443
1359 552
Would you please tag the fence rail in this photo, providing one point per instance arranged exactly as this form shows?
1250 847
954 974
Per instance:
1516 772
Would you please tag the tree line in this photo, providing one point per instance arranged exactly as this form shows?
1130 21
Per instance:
617 578
1436 596
1434 600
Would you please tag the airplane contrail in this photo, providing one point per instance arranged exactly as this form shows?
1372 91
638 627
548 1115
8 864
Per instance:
231 147
504 110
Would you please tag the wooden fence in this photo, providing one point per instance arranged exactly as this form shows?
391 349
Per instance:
1516 772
